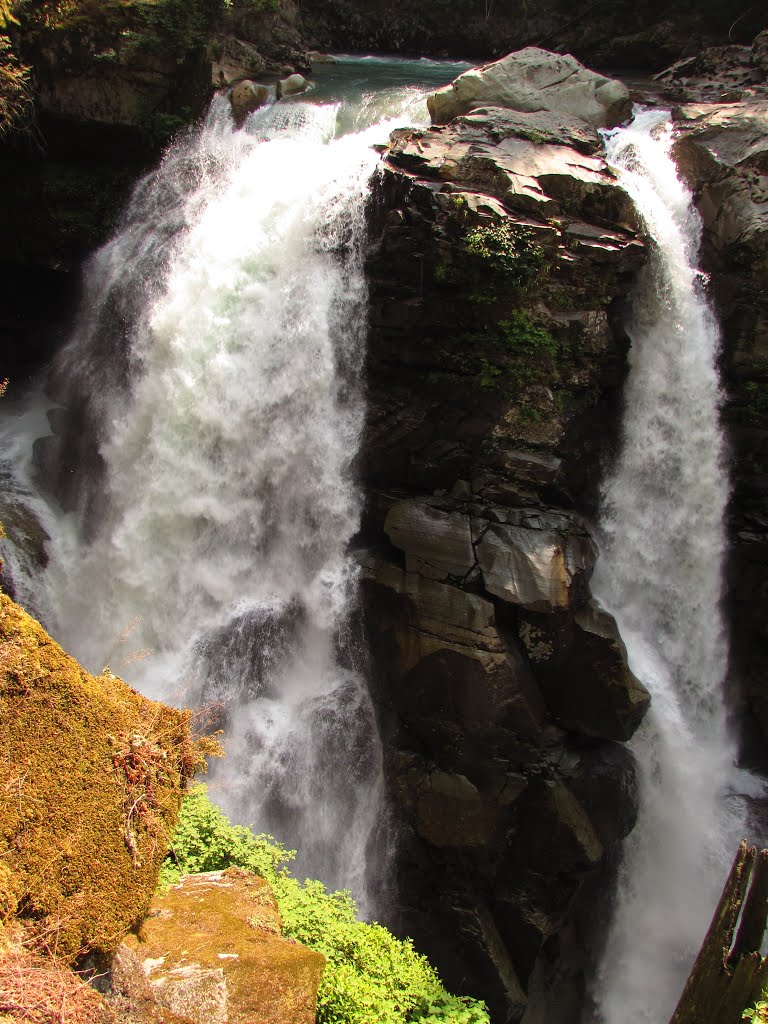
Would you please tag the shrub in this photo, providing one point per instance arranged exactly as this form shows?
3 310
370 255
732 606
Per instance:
371 976
508 249
520 335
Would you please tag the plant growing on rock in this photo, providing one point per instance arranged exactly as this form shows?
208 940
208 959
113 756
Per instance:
371 976
507 248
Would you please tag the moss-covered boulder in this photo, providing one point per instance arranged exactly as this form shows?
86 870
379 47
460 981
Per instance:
91 777
212 950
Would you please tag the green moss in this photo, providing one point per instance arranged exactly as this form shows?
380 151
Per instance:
91 776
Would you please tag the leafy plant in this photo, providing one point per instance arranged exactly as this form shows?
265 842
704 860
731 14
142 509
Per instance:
757 1014
371 976
520 335
507 248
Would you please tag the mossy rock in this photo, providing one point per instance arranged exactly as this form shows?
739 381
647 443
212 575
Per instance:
213 952
91 778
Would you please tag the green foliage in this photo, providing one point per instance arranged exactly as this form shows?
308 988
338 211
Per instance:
371 977
15 93
489 375
205 840
521 336
508 249
184 23
757 1014
162 127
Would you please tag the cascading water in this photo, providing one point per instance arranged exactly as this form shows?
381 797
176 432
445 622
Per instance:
214 409
660 573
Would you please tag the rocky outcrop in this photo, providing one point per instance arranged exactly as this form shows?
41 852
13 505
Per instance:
534 80
247 96
722 149
212 952
91 775
623 34
495 357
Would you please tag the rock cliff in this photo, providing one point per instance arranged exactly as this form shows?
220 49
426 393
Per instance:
496 353
722 149
616 34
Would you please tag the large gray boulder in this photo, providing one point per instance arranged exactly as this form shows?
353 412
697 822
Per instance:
534 80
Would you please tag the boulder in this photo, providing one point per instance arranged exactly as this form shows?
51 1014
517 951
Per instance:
580 663
212 951
233 60
539 569
723 152
317 57
437 541
291 86
460 686
759 54
247 96
91 778
722 74
535 80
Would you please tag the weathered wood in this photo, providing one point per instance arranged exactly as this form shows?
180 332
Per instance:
753 916
729 975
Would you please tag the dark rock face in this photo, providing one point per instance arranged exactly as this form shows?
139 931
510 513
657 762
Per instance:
621 34
494 360
723 152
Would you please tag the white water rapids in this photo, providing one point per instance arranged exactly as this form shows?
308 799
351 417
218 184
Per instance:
213 407
660 573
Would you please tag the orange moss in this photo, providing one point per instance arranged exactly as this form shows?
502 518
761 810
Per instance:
75 861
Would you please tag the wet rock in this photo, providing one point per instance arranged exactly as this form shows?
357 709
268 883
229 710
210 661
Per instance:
605 783
538 569
233 60
247 96
581 665
759 54
291 86
212 952
316 57
719 74
437 541
534 80
536 173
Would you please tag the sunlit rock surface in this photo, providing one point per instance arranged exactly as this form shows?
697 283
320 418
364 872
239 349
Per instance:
212 952
533 80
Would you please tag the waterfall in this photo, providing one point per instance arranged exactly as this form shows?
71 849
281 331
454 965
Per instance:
210 410
660 573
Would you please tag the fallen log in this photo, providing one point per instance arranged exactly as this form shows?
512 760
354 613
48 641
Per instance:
729 975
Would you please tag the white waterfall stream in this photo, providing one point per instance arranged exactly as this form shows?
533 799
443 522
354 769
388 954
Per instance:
212 407
660 573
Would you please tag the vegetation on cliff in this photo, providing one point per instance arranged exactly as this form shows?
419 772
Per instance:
371 977
91 777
